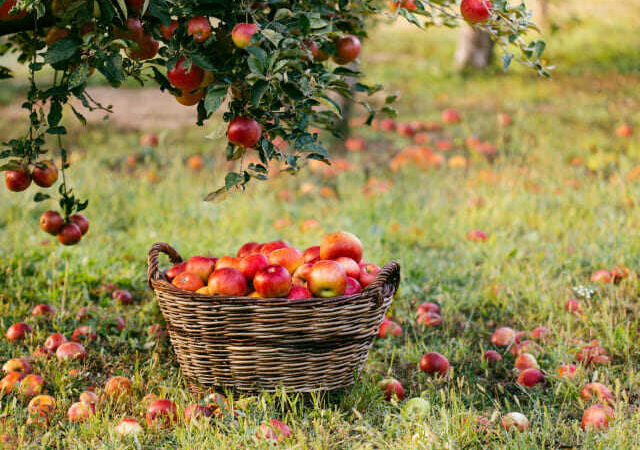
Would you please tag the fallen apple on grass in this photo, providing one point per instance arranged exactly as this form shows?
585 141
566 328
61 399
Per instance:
515 421
434 362
161 413
503 337
597 417
275 430
17 365
392 389
128 427
389 328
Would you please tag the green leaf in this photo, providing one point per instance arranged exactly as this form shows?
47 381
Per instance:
257 92
79 76
55 114
215 97
233 179
61 50
506 60
39 197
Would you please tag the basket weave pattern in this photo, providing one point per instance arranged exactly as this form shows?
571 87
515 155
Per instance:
252 344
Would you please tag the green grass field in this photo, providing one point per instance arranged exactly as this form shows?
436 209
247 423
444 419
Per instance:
558 205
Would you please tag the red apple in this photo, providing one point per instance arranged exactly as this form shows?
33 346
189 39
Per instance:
392 388
41 352
40 409
312 254
70 350
16 365
504 120
45 173
122 296
199 27
347 49
602 276
515 421
169 30
299 292
351 267
272 281
389 328
175 270
89 398
624 130
597 417
428 307
327 279
355 144
6 7
54 341
301 275
147 48
248 249
526 361
184 77
539 333
242 33
250 264
244 132
434 362
405 129
81 221
161 412
289 257
70 234
149 140
18 331
503 337
429 319
79 412
477 236
118 387
83 333
133 30
492 356
17 180
451 115
572 305
368 274
188 281
228 261
530 377
201 266
475 11
193 413
341 243
128 427
598 390
567 371
269 247
275 430
10 383
227 282
43 310
31 385
316 52
51 222
353 286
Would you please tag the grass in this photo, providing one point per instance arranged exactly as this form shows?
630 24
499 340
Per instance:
551 224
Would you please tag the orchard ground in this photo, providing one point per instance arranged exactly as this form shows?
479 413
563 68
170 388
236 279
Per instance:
559 203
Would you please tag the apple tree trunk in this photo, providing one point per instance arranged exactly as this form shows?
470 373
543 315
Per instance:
475 49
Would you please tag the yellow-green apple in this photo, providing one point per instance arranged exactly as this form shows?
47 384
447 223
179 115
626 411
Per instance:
514 421
10 383
567 371
492 356
51 222
83 333
530 377
188 281
368 274
301 275
327 279
341 243
54 341
232 262
597 417
251 263
248 249
475 11
45 173
17 180
598 390
161 412
526 361
244 132
272 281
40 409
416 408
18 331
118 387
268 247
81 221
31 385
434 362
184 76
503 337
128 427
70 234
43 310
242 33
201 266
429 319
347 49
175 270
194 412
275 431
392 389
227 281
70 350
16 365
353 286
199 28
312 254
289 257
426 307
299 292
79 412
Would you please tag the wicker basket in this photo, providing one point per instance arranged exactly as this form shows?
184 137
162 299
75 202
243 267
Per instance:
252 344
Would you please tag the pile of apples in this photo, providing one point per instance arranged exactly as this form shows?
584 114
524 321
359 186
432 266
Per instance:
278 270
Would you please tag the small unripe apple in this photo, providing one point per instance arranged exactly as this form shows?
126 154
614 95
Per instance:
416 408
434 362
242 33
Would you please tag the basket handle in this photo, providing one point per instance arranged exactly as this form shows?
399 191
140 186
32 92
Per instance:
386 282
153 274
